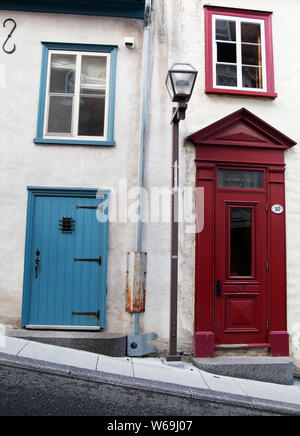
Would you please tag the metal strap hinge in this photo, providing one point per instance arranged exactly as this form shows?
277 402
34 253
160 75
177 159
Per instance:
97 314
99 260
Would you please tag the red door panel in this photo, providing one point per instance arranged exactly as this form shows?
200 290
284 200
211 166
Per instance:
241 311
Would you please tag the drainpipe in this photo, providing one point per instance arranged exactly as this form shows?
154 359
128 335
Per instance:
141 178
137 343
145 82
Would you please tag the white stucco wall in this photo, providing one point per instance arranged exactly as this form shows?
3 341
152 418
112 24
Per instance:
22 163
177 35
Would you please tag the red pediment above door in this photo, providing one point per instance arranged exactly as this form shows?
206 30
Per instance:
242 129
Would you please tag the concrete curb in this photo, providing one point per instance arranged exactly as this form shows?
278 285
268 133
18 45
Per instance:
108 344
278 370
200 402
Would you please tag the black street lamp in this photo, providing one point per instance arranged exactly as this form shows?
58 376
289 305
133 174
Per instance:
180 83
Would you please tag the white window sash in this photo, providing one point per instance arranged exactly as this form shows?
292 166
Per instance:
76 97
238 42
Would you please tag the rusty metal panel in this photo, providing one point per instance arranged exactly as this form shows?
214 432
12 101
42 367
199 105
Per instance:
136 282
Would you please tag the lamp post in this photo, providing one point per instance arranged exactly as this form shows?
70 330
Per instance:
180 84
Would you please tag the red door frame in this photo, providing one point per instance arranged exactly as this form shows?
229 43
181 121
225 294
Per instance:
241 140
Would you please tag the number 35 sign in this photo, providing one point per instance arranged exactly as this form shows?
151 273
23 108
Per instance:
278 209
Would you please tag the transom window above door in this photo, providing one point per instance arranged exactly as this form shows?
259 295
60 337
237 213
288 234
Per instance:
240 179
239 53
77 95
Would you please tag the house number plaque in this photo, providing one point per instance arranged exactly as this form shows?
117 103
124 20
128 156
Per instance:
278 209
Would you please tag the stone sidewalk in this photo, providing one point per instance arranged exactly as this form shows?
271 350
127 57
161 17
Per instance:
156 375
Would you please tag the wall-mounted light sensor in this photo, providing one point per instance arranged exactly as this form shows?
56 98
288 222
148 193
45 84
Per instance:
129 42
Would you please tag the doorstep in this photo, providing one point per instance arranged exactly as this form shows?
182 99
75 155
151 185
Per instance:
278 370
108 344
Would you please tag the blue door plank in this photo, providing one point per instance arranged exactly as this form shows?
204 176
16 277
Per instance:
78 280
36 282
104 232
95 249
62 260
69 267
57 265
46 275
85 266
90 270
96 244
53 262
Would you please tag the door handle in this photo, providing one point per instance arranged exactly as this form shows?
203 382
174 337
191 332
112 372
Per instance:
219 289
37 262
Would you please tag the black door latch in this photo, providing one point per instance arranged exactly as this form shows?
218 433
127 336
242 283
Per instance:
37 262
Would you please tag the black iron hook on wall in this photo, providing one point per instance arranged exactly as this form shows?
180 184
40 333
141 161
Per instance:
9 36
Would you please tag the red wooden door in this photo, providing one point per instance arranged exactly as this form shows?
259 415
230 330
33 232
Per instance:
241 264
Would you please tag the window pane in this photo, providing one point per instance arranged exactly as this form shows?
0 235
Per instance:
251 33
60 115
226 75
91 116
62 78
251 54
93 75
225 30
226 52
240 242
252 77
240 179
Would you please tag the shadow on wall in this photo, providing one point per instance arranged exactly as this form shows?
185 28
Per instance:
295 345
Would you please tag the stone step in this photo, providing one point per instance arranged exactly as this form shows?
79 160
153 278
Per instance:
108 344
278 370
241 350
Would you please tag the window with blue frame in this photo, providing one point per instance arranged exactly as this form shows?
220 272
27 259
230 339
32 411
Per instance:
77 94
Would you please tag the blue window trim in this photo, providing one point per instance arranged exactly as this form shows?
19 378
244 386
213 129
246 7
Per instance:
111 8
36 191
112 49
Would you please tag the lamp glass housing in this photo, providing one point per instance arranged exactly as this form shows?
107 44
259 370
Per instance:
181 81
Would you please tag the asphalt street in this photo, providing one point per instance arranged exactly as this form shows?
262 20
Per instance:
46 380
31 393
37 393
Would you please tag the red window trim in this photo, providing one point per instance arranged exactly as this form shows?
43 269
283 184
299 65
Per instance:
267 18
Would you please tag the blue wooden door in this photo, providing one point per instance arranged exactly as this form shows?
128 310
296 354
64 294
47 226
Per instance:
65 281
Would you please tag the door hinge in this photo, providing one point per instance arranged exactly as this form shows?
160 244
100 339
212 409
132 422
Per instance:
268 326
97 314
268 267
267 208
99 260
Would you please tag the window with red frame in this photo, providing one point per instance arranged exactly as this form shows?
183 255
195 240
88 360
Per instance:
239 52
